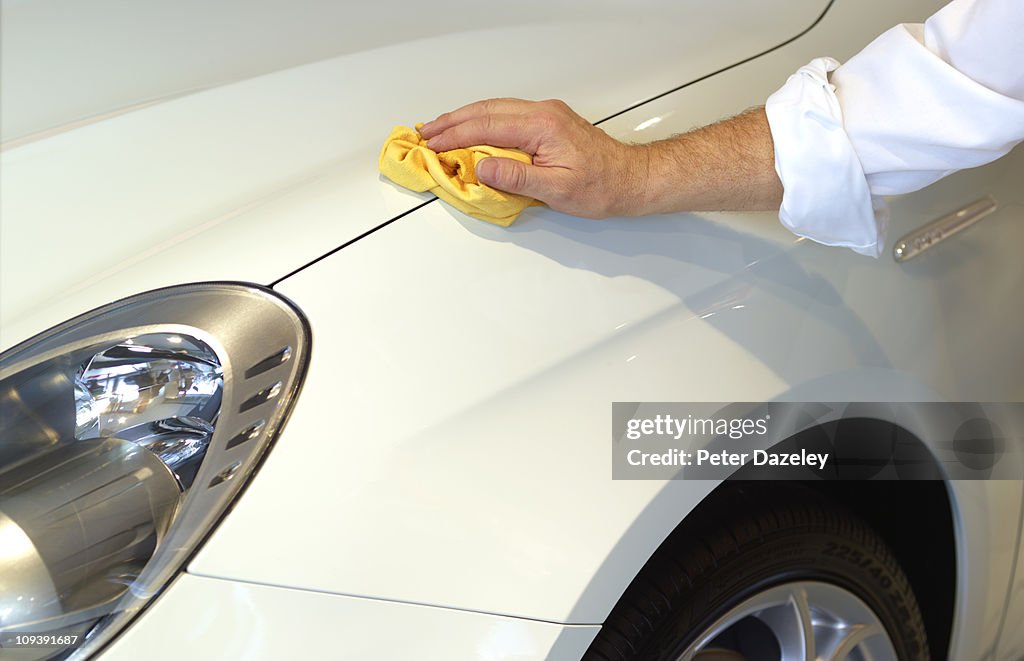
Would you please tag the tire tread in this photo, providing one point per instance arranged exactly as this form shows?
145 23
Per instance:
656 601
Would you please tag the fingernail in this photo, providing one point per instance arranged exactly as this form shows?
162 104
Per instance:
485 170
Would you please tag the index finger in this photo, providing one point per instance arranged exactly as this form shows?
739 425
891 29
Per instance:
477 109
515 131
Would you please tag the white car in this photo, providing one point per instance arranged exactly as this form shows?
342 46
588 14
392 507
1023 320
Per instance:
259 402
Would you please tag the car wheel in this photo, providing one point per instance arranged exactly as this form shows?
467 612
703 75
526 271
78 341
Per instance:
782 577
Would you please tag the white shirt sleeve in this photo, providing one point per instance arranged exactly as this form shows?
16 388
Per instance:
918 103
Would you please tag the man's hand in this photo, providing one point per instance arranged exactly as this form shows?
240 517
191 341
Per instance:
581 170
577 168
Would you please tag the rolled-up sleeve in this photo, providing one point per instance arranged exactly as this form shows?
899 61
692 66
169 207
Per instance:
918 103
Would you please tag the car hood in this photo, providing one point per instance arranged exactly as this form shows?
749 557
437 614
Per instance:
253 178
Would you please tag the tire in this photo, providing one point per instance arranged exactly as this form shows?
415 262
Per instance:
769 543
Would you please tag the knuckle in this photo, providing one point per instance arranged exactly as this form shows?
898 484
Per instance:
515 176
548 121
437 139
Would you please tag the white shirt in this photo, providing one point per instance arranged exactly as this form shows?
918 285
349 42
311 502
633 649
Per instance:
919 103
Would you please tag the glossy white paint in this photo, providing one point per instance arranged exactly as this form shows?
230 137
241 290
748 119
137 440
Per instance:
472 396
1011 645
251 180
450 447
103 58
203 618
479 382
934 321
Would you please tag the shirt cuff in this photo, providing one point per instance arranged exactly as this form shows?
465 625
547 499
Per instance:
825 192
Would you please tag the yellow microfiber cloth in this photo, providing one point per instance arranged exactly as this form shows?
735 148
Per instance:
451 175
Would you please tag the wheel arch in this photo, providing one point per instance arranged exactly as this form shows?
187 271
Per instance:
915 518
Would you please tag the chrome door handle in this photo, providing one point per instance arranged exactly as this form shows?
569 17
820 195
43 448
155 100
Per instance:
940 229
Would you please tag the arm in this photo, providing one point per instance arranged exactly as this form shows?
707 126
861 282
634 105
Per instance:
726 166
579 169
920 102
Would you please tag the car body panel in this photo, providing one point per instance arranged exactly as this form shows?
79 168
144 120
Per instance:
1011 642
253 179
203 618
104 59
450 446
460 472
534 330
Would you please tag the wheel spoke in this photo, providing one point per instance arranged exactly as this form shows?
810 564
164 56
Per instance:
809 620
843 646
791 623
803 615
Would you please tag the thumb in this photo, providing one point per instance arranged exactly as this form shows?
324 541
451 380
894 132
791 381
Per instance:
514 176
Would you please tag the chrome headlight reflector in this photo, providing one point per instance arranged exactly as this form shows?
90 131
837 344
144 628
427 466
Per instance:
125 434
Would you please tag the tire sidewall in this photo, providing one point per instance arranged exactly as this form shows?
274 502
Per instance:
785 558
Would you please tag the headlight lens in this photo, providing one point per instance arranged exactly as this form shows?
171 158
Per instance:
124 436
160 391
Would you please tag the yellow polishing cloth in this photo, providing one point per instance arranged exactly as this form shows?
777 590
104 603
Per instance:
451 175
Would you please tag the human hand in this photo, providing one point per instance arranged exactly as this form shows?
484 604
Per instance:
577 168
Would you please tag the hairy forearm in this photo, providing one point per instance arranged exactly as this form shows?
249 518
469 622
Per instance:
727 166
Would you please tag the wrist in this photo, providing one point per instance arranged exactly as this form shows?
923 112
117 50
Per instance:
664 178
634 182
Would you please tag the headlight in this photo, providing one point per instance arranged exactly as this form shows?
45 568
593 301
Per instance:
124 436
